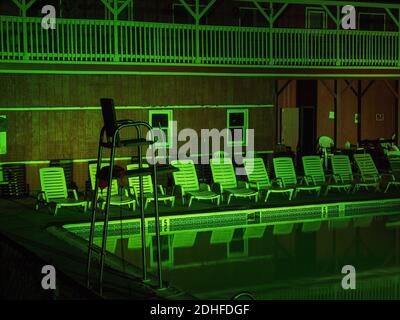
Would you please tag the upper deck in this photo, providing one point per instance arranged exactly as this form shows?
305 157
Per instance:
287 44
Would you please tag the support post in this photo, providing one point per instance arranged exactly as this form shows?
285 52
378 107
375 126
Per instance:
359 110
197 15
24 7
397 113
335 110
338 113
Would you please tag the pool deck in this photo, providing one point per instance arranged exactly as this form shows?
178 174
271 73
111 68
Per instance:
27 227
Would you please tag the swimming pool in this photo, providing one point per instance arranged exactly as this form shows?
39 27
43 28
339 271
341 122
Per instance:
274 253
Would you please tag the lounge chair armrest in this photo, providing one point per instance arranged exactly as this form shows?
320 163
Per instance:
216 187
161 189
204 186
130 190
40 196
338 178
254 184
390 176
279 182
75 194
242 184
309 180
369 177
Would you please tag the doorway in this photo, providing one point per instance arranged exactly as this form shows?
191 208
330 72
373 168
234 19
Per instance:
307 104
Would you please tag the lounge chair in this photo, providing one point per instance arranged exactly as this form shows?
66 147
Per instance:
54 190
117 199
286 177
258 178
225 180
314 175
342 172
134 184
394 163
370 177
187 184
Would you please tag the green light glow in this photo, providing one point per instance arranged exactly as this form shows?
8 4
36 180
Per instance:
134 107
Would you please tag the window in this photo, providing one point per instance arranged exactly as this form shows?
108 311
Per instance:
315 18
371 21
237 121
162 120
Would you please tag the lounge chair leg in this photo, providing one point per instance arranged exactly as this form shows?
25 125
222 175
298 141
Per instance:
55 210
229 198
218 200
190 202
291 195
172 202
267 196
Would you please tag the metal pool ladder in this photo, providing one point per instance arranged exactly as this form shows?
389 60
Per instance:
109 139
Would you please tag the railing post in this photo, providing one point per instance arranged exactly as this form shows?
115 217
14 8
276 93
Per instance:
25 34
197 19
115 14
338 46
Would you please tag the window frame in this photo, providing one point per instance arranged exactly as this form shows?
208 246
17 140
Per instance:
169 113
310 10
245 127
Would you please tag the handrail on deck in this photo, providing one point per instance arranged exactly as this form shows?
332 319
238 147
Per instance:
108 41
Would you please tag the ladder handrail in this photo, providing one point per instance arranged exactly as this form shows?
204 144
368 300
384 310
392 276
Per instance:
121 124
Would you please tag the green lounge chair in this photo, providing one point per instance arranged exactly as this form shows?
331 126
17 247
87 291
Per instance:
285 175
314 174
134 184
187 184
225 181
394 162
117 199
370 177
54 190
342 172
258 178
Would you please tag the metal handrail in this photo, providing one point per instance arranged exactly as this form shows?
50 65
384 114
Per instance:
118 128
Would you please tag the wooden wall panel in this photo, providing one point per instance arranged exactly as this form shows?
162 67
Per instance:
346 123
378 100
47 135
325 104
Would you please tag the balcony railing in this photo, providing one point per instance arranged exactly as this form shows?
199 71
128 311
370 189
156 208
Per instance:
109 41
